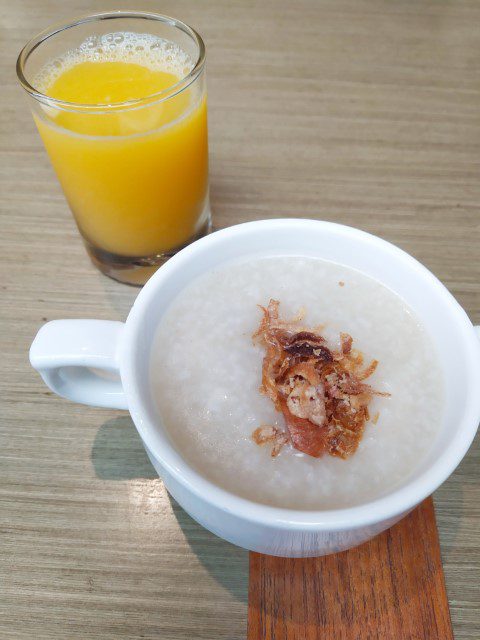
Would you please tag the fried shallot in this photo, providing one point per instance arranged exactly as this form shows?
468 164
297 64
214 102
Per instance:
320 391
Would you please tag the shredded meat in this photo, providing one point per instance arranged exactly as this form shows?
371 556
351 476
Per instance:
267 434
346 343
319 391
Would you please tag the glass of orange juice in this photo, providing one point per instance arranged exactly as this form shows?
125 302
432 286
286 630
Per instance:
119 100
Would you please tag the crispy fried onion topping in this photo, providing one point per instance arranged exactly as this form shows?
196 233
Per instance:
320 392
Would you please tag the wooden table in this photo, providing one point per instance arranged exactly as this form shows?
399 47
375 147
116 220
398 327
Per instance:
362 112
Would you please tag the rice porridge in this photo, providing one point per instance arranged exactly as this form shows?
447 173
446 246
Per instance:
206 372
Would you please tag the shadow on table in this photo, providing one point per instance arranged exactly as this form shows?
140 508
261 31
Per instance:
118 454
225 562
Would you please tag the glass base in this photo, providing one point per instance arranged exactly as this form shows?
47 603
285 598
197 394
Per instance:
131 269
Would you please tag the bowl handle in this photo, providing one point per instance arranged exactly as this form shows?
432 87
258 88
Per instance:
79 360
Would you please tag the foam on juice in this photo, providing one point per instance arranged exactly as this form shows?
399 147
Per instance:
146 50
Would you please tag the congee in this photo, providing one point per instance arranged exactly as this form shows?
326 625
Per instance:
296 382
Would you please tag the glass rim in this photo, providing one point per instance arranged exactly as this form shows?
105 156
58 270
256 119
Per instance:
159 96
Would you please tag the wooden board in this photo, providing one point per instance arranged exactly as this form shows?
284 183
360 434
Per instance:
391 588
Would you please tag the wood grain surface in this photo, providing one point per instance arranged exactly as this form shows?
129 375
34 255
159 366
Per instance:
390 588
366 112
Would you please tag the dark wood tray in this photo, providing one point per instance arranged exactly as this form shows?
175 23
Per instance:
391 588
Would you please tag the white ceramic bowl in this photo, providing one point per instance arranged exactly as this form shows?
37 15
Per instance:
68 354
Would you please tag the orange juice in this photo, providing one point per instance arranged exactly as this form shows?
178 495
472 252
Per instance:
134 171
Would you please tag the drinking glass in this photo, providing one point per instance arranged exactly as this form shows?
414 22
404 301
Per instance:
135 173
